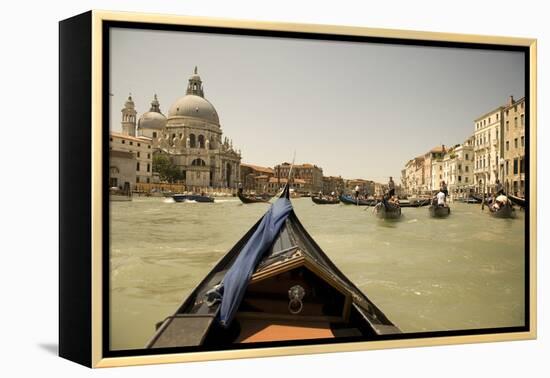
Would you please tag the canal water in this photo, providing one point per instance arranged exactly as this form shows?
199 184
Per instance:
425 274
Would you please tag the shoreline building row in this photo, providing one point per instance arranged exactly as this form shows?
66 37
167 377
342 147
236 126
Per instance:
500 148
495 151
307 178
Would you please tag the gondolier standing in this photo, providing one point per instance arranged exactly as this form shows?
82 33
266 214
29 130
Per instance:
444 188
391 188
356 191
499 188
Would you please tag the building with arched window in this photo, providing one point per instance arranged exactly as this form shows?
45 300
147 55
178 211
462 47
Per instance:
191 136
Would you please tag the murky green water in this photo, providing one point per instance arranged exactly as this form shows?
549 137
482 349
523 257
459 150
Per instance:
425 274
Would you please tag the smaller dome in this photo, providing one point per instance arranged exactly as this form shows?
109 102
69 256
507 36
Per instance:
152 120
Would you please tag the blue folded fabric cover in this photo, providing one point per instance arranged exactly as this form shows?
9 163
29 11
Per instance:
236 279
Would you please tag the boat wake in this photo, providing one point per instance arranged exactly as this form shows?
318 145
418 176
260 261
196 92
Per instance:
169 200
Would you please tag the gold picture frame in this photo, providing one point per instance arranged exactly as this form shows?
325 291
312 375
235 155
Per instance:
89 267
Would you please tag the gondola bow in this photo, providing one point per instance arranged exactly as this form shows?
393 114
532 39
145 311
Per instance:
275 284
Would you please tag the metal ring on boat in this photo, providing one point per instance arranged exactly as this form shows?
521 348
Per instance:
295 306
296 294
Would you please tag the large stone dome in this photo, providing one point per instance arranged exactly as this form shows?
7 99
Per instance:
194 106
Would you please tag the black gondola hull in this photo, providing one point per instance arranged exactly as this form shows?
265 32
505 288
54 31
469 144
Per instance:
349 200
506 211
439 211
517 200
324 201
387 211
253 199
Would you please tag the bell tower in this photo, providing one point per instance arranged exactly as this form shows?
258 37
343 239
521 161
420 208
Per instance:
129 117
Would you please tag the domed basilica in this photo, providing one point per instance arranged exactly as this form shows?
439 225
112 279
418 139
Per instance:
191 136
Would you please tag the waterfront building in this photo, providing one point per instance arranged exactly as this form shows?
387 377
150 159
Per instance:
255 178
366 187
437 174
333 184
380 189
139 147
418 176
513 163
310 173
458 169
122 170
275 184
407 177
465 180
413 179
487 149
435 154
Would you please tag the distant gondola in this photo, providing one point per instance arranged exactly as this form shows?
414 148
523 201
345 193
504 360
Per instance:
387 210
471 199
275 284
517 200
325 201
417 203
479 198
191 197
439 211
253 198
349 200
506 211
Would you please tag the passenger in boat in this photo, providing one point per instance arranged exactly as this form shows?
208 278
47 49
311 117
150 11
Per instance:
391 187
440 196
502 200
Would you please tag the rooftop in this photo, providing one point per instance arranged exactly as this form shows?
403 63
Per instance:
129 137
284 180
258 168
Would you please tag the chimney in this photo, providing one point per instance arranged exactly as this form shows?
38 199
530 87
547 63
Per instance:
511 100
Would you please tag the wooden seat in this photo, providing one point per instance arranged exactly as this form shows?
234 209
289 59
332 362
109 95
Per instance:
258 330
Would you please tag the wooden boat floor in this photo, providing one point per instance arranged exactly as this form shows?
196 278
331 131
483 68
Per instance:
258 330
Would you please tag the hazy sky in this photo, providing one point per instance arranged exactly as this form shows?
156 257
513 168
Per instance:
354 109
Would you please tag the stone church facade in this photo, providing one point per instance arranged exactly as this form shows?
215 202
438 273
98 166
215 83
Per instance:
191 136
